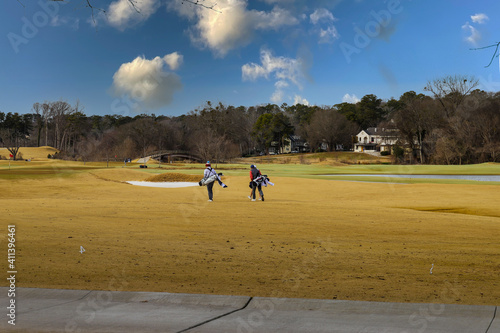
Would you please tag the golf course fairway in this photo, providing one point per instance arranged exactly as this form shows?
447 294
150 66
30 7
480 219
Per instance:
83 227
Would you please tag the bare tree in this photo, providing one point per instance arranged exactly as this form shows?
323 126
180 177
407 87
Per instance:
331 127
451 91
415 118
144 132
479 120
37 109
170 134
210 146
45 117
59 112
77 127
487 122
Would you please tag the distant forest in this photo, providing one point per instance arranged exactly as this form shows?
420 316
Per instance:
456 124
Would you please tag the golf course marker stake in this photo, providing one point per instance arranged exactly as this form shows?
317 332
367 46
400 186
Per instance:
83 250
432 268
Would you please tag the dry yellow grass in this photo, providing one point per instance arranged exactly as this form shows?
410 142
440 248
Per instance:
310 238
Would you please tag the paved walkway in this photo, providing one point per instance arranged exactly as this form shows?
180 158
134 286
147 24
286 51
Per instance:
57 310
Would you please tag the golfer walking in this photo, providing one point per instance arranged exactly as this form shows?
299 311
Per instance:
209 172
256 181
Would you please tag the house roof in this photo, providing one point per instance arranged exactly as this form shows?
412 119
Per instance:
382 131
362 131
296 138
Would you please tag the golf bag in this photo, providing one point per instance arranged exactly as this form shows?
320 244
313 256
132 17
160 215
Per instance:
262 179
211 179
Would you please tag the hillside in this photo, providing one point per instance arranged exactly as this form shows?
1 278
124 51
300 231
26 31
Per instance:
38 153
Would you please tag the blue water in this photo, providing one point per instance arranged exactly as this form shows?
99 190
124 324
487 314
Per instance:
480 178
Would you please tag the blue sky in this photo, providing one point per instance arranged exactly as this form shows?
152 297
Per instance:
172 56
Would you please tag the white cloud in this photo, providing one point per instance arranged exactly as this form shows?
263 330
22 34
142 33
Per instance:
299 100
474 36
281 84
275 19
328 36
277 96
350 99
479 18
321 14
282 69
147 82
222 32
121 14
173 60
252 72
58 21
277 1
231 25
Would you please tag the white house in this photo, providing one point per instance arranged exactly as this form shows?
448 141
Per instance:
376 139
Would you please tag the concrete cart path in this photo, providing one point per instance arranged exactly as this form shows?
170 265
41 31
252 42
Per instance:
58 310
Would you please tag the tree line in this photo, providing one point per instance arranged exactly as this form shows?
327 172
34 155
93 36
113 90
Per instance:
457 124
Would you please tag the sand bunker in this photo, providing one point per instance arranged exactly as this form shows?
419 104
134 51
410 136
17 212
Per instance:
163 184
169 180
174 177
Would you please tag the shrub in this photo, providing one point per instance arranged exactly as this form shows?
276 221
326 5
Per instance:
385 153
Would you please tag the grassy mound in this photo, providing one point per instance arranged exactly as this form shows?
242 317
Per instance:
174 177
120 175
39 153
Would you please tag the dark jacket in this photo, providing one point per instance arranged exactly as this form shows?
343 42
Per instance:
254 173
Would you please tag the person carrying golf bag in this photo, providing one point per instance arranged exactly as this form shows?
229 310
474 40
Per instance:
209 178
256 182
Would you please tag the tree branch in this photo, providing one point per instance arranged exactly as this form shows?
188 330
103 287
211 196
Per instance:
497 45
133 3
89 5
199 3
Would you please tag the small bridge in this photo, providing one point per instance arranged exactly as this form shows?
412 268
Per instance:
170 155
